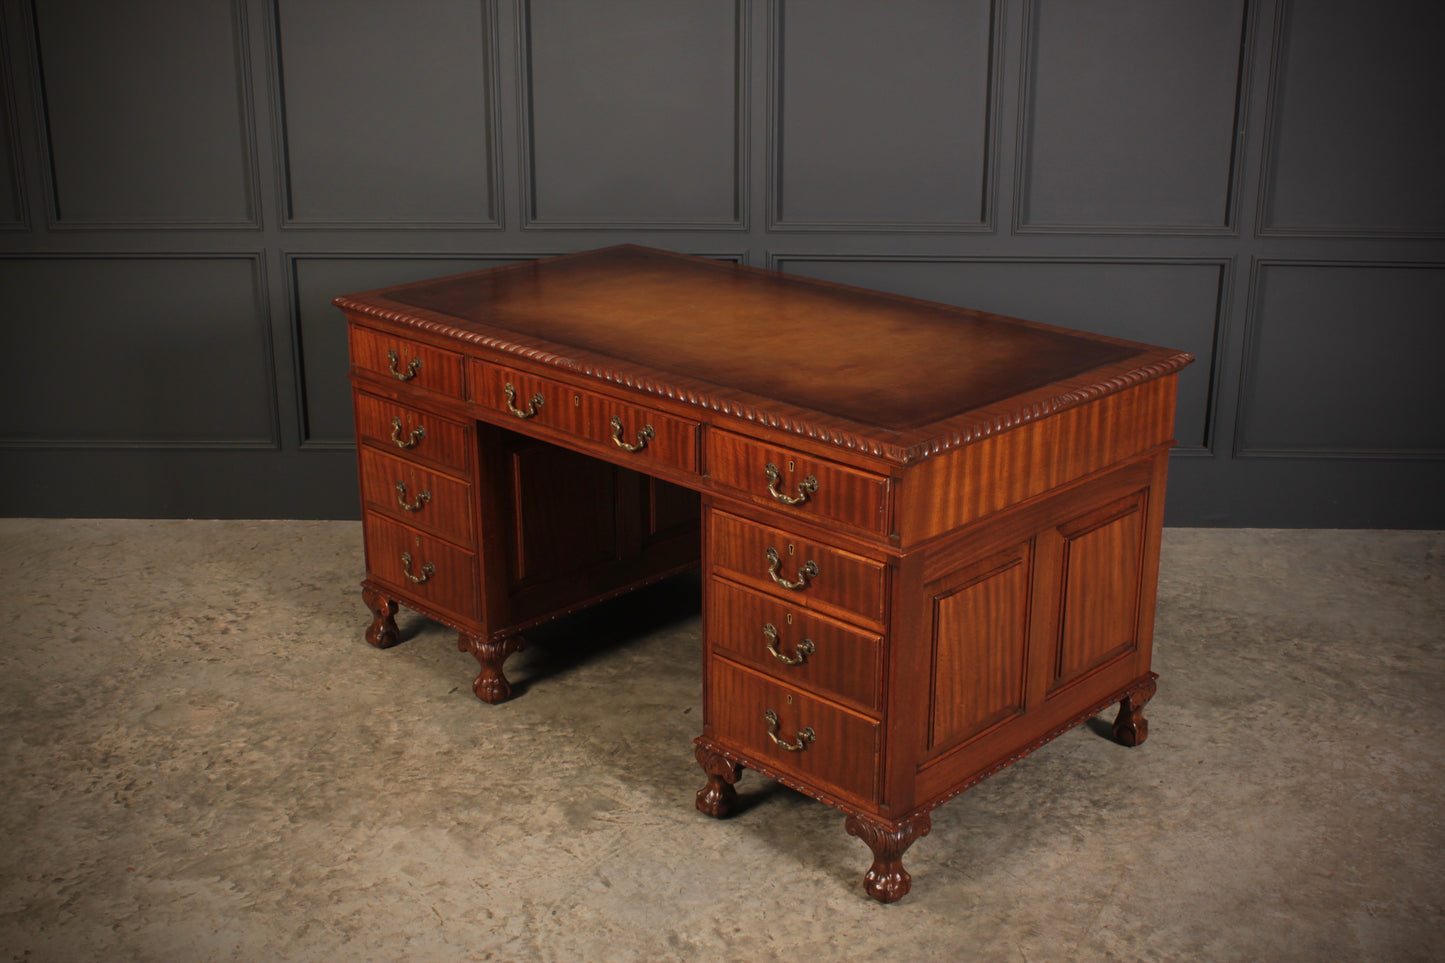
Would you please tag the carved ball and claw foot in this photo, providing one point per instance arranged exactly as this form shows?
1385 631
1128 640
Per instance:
382 632
491 685
887 880
717 798
1130 727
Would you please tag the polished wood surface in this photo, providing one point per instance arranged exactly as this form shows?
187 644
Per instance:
929 537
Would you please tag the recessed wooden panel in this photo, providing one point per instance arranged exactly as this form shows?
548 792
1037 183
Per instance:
388 111
1103 554
882 113
151 351
321 328
146 111
1131 114
1157 302
1345 360
565 511
980 644
634 114
1356 144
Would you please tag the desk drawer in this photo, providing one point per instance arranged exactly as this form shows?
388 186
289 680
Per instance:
416 435
418 366
423 567
806 573
842 754
416 496
799 483
631 432
793 645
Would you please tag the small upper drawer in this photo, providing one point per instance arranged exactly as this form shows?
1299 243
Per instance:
418 366
418 435
630 432
797 482
419 497
807 573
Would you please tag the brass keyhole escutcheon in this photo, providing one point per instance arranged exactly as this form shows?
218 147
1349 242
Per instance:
791 548
576 401
790 700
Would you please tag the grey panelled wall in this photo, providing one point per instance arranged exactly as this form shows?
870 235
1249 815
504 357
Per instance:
185 184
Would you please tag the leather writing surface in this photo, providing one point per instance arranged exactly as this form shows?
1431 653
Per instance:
878 360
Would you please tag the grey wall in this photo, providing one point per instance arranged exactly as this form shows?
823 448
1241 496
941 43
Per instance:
184 184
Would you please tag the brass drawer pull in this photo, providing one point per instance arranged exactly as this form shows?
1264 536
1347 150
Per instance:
644 435
808 571
530 411
412 367
422 497
416 435
807 487
427 570
805 734
803 649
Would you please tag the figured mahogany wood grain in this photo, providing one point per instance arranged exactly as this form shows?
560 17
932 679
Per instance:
1103 553
426 368
439 503
979 479
980 643
843 494
843 756
847 585
587 416
451 587
844 664
441 442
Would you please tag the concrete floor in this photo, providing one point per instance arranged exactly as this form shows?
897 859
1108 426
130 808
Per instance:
202 760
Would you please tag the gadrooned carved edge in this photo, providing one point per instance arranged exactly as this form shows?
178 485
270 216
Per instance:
694 394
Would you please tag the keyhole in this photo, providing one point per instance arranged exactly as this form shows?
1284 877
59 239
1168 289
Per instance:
791 464
577 401
791 549
789 618
790 700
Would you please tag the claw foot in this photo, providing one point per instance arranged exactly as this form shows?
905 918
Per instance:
887 880
382 632
491 685
717 798
1130 727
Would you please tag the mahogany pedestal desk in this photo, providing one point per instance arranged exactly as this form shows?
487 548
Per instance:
929 536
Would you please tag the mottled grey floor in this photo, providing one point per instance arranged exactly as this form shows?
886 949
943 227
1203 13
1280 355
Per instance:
202 760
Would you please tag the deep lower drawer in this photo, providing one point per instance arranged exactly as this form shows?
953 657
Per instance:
793 645
807 573
817 742
422 567
416 496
